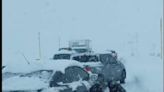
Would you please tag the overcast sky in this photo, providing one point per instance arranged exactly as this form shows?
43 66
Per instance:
110 24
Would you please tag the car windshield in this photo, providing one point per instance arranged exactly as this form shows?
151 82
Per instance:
61 56
107 58
86 58
75 73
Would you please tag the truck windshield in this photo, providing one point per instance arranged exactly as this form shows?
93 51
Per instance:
61 56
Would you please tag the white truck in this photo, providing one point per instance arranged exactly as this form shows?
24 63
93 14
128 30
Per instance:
76 48
80 46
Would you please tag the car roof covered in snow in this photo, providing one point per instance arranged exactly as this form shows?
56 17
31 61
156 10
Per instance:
104 52
65 52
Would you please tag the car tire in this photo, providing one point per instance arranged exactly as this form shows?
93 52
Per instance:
123 76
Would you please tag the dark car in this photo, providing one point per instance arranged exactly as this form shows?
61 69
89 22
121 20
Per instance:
73 75
52 76
113 69
110 66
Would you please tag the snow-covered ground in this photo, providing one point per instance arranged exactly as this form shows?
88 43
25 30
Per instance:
144 74
23 83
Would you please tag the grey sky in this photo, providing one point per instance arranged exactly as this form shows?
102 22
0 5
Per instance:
110 24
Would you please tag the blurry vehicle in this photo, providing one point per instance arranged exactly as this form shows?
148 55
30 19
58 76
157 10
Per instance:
49 76
109 65
112 75
113 69
63 53
73 80
80 46
91 62
105 63
75 47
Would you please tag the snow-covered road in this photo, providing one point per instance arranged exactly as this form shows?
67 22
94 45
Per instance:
144 74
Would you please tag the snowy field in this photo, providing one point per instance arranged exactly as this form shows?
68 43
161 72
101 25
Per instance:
144 74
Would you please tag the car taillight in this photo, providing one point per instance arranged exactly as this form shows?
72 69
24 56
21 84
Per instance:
87 68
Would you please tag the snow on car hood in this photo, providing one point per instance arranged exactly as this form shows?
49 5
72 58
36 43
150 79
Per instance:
22 83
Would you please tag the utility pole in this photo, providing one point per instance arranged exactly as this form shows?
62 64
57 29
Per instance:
39 45
59 42
162 39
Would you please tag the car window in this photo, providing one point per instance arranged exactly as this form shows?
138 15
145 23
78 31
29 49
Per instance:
107 58
58 77
93 58
86 58
75 73
103 58
61 56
